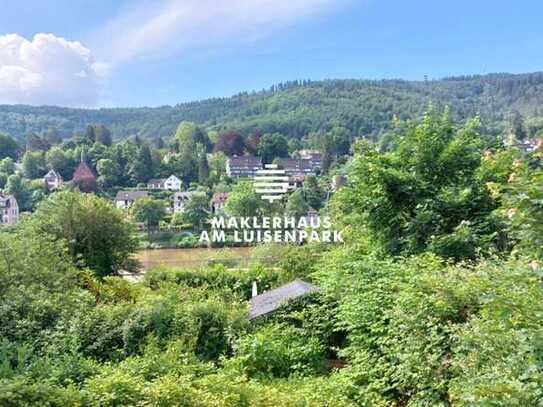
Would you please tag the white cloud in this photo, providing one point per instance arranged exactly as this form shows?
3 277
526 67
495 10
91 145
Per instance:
52 70
48 70
168 26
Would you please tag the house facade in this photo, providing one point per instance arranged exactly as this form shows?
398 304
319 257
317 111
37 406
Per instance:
245 166
9 210
314 157
218 201
296 166
179 201
53 180
172 183
125 199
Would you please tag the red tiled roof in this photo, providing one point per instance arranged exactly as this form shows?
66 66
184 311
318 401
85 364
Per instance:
83 173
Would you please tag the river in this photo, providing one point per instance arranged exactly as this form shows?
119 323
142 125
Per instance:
193 258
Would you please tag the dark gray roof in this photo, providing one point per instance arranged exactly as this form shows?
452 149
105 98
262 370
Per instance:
271 300
244 161
130 195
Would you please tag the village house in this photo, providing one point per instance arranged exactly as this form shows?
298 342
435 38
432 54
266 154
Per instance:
314 157
179 201
172 183
9 210
53 180
125 199
245 166
270 301
218 201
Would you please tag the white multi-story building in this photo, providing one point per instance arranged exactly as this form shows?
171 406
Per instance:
9 210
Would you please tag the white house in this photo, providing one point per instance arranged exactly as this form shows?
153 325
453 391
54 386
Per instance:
172 183
53 180
179 201
9 210
125 199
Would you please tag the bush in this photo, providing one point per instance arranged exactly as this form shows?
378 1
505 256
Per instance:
238 281
20 392
279 351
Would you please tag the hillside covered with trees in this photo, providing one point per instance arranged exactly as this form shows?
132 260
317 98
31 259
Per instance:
295 109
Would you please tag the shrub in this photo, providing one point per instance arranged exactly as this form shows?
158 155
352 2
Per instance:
279 351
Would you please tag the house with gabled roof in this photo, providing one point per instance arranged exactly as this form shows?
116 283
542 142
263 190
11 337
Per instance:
172 183
53 180
125 199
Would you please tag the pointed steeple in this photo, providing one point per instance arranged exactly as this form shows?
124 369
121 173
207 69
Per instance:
84 176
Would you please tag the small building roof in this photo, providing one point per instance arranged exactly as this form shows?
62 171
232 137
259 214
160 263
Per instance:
52 174
130 195
219 197
270 301
156 181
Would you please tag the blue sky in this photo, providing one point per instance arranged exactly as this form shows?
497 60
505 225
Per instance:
136 53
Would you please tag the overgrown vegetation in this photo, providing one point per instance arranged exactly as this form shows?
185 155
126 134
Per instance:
435 299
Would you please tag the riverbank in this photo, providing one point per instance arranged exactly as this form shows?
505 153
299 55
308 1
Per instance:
194 257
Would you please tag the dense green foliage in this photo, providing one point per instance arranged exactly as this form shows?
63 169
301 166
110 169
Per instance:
435 299
428 193
96 234
298 108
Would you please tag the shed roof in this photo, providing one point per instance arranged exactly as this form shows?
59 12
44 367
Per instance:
270 301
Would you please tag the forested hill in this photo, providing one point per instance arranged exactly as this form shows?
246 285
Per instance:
297 108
